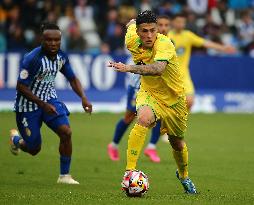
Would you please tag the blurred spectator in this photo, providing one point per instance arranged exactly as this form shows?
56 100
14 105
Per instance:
64 22
84 15
145 5
104 48
191 23
16 40
126 12
2 40
30 17
47 11
101 12
116 41
97 20
75 41
246 31
165 8
198 6
66 19
222 14
227 37
15 33
7 6
210 29
111 22
83 11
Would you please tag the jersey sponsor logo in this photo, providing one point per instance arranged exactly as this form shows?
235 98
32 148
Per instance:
41 76
46 77
23 74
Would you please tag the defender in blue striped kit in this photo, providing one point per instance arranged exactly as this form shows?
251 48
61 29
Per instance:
36 100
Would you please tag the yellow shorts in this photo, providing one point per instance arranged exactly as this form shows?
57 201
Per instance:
188 85
173 118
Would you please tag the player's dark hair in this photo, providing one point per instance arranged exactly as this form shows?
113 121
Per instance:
146 17
182 15
49 26
163 17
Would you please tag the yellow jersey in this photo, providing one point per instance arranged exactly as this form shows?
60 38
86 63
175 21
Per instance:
168 87
183 43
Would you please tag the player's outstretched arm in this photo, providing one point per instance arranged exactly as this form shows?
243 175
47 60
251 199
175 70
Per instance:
220 47
156 68
24 90
77 88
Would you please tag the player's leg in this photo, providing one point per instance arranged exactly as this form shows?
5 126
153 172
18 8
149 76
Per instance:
180 153
145 119
120 129
150 150
123 124
29 125
65 150
176 124
60 125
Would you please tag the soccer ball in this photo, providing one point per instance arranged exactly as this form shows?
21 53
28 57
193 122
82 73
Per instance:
137 184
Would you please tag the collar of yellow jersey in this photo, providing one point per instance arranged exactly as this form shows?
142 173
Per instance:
139 41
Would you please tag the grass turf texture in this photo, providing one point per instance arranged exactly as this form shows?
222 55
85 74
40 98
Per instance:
221 164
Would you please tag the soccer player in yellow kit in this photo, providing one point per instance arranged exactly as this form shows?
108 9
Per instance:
161 95
164 24
184 40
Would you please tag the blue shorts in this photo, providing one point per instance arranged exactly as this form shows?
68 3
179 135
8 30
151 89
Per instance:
131 98
29 123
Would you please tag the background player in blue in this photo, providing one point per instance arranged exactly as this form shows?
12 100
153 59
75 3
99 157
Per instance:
36 100
129 116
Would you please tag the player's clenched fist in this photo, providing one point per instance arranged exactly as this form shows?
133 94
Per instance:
87 105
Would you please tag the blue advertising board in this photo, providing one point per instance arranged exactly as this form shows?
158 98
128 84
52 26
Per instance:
223 84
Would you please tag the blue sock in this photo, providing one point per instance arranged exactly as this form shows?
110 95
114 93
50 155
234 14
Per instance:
65 163
155 133
16 140
121 127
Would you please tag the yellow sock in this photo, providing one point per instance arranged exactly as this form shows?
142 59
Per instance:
135 144
181 158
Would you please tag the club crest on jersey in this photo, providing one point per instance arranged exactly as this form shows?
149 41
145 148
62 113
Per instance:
28 132
23 74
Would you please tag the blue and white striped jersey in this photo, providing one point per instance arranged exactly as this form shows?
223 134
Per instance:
133 80
38 72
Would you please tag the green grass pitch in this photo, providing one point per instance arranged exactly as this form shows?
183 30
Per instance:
221 148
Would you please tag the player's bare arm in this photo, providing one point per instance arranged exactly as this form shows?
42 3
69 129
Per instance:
220 47
24 90
77 88
156 68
